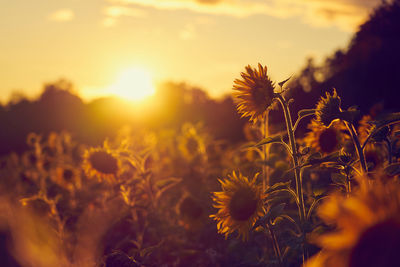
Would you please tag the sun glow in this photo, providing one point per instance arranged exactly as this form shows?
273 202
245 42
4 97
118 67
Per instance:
133 84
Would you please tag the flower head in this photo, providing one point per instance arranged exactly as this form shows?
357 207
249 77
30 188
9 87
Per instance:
240 204
325 140
328 109
254 92
102 163
367 226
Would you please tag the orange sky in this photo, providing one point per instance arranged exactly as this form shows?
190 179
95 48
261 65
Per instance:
203 42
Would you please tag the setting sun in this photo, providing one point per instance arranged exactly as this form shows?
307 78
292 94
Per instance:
133 84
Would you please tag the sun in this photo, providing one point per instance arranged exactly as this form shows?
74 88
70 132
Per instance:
133 84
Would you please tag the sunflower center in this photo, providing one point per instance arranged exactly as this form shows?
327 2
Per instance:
68 175
261 94
378 246
328 140
192 145
243 204
103 162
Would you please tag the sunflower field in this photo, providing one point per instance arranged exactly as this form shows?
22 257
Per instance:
329 196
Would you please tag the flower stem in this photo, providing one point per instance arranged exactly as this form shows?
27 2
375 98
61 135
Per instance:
359 149
299 186
265 151
275 244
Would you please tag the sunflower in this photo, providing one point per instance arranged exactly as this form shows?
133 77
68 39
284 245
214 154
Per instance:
192 143
254 93
102 163
367 226
323 139
192 213
67 176
240 204
328 109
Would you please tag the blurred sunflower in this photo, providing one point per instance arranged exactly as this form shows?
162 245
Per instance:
240 204
192 143
68 177
254 93
328 109
102 163
192 213
367 227
323 139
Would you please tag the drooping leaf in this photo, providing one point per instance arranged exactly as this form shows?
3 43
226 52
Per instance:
271 139
277 186
305 112
392 169
382 121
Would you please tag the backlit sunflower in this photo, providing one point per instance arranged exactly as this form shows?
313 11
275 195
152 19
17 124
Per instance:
254 92
367 227
101 163
323 139
240 204
328 109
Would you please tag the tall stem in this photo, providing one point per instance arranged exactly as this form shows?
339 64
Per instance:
265 151
275 243
359 149
298 179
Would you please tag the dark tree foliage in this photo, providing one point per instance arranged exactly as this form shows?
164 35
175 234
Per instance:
366 73
59 109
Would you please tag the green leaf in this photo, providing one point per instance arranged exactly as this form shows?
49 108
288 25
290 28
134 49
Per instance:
316 159
338 178
271 139
277 210
384 120
305 112
277 186
392 169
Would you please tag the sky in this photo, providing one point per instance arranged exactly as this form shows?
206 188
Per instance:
205 43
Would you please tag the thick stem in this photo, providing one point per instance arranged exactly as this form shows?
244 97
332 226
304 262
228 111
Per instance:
265 152
298 179
359 149
275 244
348 180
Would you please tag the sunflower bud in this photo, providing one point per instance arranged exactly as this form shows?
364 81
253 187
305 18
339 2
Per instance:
328 109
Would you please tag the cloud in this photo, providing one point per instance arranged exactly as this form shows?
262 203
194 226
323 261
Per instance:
62 15
188 32
113 13
345 14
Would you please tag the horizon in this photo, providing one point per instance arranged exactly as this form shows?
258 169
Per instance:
203 43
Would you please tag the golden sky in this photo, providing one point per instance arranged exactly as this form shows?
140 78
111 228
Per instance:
203 42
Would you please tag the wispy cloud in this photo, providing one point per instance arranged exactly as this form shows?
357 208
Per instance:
188 32
62 15
345 14
114 12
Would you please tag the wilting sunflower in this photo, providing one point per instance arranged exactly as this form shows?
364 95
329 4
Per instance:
254 92
240 204
101 163
328 109
323 139
367 227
